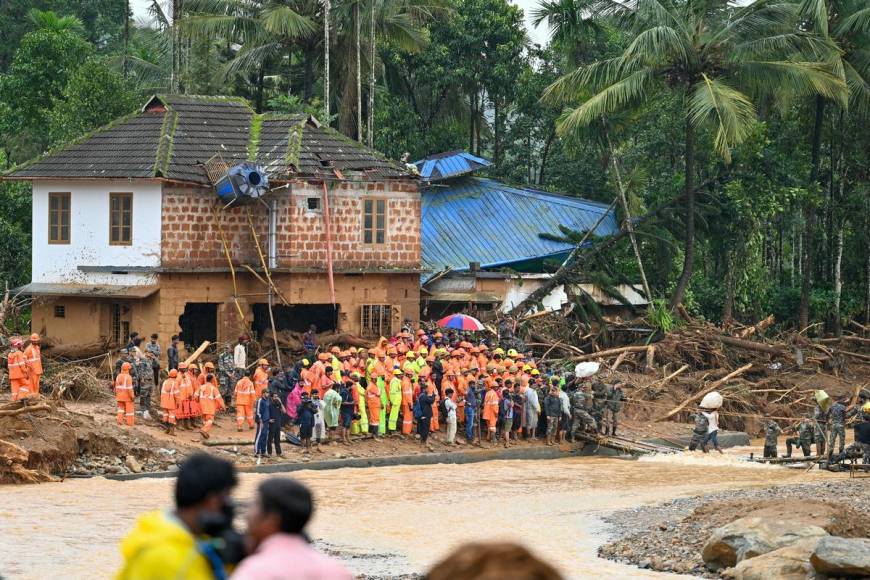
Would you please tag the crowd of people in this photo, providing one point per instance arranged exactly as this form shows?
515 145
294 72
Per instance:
412 384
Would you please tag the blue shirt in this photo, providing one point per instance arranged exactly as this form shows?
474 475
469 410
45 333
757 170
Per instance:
263 412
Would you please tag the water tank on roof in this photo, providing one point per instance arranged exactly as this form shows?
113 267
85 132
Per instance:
243 183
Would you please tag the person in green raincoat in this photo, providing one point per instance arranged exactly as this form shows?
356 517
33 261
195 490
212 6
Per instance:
395 399
360 396
331 409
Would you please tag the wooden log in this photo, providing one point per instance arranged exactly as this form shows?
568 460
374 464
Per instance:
619 360
756 346
78 350
197 352
759 327
25 410
650 357
660 384
854 355
609 353
225 442
845 339
700 394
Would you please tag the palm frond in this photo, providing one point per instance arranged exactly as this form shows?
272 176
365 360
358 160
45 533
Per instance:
658 44
729 110
857 22
816 11
797 79
613 98
286 22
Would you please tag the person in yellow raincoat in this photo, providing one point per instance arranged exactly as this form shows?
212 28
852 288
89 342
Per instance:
359 395
385 400
172 544
395 399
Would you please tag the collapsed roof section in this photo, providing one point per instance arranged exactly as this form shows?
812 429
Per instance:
174 136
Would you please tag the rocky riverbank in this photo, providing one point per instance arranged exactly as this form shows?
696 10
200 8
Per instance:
669 537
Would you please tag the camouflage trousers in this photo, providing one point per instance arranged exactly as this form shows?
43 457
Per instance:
582 421
697 441
769 450
820 437
611 421
805 446
838 431
865 447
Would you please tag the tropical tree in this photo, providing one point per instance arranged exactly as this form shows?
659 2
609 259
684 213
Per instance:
51 21
716 58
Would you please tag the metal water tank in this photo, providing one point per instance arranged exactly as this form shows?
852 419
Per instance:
242 184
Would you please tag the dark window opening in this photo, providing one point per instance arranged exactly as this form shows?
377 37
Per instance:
376 320
120 321
198 323
295 318
313 204
59 311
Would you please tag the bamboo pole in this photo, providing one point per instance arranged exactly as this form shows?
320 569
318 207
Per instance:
713 386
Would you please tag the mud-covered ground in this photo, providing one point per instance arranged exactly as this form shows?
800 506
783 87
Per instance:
669 536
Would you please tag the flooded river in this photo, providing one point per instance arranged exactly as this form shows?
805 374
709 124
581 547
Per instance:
388 520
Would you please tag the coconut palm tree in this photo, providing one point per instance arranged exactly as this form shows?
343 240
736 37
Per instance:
716 57
48 20
845 24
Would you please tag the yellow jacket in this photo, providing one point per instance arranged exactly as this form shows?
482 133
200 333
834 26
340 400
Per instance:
160 547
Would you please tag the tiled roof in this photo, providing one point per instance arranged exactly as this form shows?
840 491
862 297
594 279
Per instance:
481 220
174 135
449 164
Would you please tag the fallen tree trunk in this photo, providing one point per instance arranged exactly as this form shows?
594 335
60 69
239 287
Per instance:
24 410
78 350
700 394
197 352
609 353
619 360
660 384
756 346
758 327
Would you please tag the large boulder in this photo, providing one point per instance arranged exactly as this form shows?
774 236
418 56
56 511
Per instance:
789 563
842 556
750 537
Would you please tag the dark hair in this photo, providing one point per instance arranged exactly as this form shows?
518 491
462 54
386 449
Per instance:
133 335
449 392
329 369
137 341
275 372
200 476
209 378
289 500
174 337
154 335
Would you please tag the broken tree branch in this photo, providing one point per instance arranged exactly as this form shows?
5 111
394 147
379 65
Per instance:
700 394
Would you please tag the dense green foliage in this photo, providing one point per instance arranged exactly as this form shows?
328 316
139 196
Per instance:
766 105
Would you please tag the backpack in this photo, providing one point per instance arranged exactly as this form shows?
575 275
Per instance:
418 411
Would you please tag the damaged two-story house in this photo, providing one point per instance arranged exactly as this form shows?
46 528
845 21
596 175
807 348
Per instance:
129 233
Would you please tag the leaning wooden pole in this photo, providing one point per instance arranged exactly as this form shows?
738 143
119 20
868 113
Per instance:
270 286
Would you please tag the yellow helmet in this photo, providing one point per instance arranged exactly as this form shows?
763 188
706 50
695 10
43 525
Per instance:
867 407
397 371
535 372
498 351
526 368
512 352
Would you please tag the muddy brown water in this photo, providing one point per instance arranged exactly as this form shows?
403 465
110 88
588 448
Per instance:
389 520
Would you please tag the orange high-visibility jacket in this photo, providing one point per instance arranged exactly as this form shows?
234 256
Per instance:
261 382
490 406
210 399
124 388
17 362
244 393
169 394
33 354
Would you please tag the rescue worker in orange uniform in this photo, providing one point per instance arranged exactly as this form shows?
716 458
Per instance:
124 395
244 403
261 378
19 372
169 401
182 411
210 401
195 411
490 412
407 401
373 403
33 354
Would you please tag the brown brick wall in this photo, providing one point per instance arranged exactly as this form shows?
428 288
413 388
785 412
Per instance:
191 237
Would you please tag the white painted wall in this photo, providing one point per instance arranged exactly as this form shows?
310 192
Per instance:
89 232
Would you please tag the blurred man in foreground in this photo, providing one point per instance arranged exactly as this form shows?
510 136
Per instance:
195 541
276 541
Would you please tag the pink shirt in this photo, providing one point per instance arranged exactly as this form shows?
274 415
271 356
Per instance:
284 556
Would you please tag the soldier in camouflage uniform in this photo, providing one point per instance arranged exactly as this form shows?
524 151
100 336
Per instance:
582 421
771 434
226 373
699 431
804 438
145 372
599 403
820 418
837 416
614 406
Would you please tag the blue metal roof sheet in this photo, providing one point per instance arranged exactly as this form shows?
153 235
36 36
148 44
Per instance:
452 164
482 220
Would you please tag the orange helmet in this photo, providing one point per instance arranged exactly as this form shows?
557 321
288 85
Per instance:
125 367
182 366
209 365
173 373
335 350
263 362
322 357
34 337
420 332
193 367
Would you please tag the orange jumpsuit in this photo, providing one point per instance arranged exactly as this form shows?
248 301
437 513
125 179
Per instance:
33 354
124 398
169 394
373 402
490 409
244 396
19 374
407 403
261 382
210 402
185 392
307 376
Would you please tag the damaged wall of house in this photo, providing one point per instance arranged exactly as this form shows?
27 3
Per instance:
192 237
